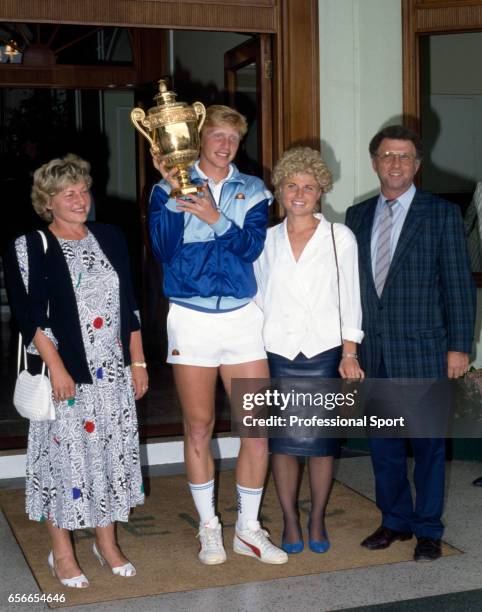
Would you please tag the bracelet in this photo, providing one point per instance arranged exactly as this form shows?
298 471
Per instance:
139 364
352 355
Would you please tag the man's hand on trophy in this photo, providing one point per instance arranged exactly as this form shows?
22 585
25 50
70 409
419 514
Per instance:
201 205
168 175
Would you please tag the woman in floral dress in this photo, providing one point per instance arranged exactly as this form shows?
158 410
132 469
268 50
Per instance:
73 302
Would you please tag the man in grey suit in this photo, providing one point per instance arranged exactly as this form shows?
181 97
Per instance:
418 301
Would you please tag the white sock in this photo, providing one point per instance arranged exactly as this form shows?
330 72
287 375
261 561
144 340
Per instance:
203 496
249 501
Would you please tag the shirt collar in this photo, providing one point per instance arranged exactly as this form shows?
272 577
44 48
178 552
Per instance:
404 200
202 175
324 226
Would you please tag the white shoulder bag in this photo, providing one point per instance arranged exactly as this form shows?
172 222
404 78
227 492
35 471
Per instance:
33 394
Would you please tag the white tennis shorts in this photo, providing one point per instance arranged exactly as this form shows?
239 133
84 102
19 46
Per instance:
212 339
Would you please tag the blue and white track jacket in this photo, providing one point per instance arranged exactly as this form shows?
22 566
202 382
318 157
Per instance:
210 267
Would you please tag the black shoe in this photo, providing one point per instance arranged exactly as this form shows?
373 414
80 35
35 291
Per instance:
477 482
427 549
383 537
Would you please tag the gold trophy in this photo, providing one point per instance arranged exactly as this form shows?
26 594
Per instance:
172 129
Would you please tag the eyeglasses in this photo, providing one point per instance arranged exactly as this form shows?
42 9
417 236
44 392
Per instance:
390 156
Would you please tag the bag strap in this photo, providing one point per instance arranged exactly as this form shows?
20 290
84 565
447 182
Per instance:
20 343
44 240
45 246
337 280
19 355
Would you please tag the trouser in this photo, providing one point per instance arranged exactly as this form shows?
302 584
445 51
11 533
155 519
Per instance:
393 494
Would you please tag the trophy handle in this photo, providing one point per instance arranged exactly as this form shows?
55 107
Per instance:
138 117
200 111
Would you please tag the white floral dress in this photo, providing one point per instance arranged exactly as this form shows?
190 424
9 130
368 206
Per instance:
83 469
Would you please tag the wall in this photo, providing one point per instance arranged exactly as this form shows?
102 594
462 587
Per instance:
361 89
448 55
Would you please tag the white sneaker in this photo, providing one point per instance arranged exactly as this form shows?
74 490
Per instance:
211 549
254 542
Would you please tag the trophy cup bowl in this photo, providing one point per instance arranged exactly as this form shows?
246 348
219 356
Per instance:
172 129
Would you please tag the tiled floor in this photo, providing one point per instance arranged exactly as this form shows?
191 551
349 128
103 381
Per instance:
403 582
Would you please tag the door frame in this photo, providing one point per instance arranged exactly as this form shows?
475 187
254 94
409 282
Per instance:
422 17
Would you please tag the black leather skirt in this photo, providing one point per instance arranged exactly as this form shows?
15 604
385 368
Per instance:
323 365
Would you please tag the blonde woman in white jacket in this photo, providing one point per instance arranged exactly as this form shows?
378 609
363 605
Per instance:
298 293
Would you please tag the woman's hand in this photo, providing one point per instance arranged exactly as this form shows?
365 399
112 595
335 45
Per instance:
201 205
140 381
63 385
350 368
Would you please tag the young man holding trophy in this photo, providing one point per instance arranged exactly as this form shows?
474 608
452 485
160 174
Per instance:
207 236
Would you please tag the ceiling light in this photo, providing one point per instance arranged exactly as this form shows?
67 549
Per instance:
11 48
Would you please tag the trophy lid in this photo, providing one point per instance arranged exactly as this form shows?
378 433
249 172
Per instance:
165 97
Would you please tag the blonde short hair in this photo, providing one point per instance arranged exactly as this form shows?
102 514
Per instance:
217 114
53 177
301 159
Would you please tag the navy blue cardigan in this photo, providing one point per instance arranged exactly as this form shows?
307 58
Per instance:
49 281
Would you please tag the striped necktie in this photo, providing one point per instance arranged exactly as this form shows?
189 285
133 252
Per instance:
382 263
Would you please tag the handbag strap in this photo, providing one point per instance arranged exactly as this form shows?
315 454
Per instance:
45 246
19 355
337 280
44 240
20 343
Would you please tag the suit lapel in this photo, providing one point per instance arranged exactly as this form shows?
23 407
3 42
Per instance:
411 227
364 238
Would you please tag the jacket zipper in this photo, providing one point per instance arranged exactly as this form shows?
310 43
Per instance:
218 252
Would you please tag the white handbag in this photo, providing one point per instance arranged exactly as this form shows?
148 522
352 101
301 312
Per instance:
33 393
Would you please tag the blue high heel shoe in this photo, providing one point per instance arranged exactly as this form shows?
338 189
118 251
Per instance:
319 546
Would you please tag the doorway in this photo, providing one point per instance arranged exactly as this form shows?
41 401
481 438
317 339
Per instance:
451 114
290 25
51 119
441 100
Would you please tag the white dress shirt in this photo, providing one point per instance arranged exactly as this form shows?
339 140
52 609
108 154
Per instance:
300 298
400 212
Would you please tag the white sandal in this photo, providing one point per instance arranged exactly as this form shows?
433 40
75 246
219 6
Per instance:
127 570
77 582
